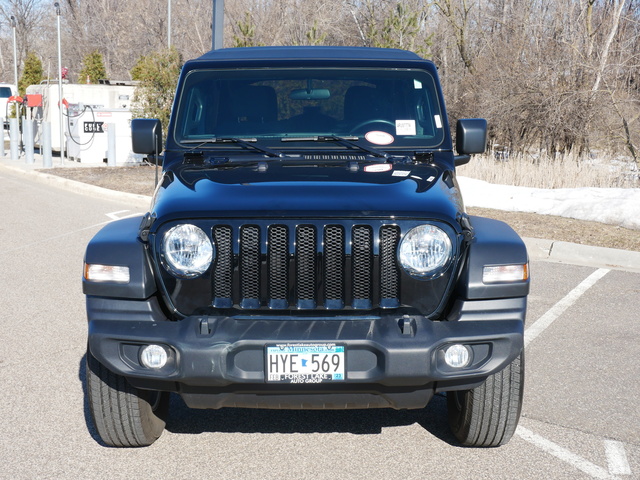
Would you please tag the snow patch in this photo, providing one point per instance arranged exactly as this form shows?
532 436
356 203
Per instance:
614 206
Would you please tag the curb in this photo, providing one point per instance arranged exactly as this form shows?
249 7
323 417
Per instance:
586 255
538 249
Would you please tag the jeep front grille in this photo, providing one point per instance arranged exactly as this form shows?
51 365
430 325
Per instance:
306 266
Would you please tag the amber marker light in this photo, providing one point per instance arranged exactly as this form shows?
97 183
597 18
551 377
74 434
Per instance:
505 273
94 272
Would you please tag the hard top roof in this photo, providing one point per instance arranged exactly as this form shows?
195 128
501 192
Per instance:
301 53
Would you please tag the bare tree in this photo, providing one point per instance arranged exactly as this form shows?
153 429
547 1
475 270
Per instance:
27 15
457 14
617 7
549 75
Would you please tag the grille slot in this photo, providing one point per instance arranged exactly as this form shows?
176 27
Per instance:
306 266
306 278
362 260
223 271
250 267
334 266
389 278
278 248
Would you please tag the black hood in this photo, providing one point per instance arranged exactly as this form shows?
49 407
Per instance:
281 189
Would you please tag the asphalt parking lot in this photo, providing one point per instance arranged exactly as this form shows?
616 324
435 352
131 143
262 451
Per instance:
580 416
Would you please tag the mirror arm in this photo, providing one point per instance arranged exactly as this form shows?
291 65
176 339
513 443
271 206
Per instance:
461 160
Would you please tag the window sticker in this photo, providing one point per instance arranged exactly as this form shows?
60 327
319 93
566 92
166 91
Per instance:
417 84
438 121
378 137
405 127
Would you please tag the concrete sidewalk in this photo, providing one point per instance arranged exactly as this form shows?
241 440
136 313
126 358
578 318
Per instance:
539 249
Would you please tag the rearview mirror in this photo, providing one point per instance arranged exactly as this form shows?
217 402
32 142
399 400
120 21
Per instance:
310 94
146 136
471 136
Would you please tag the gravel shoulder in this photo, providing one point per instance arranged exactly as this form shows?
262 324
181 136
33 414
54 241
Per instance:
141 180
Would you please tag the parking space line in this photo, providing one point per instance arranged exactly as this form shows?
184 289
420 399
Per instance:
558 309
112 217
617 458
563 454
117 215
55 237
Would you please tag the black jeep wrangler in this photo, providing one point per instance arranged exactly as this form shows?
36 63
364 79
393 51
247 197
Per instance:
307 247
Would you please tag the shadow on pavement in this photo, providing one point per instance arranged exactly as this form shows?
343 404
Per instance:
359 422
187 421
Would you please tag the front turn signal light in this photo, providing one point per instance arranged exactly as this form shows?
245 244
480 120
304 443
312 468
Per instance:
505 273
94 272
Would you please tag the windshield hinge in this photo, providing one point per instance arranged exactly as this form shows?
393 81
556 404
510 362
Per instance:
145 226
467 228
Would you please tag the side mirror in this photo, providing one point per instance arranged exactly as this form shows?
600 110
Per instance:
471 137
146 136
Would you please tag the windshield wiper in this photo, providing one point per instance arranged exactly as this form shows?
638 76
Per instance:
245 142
345 141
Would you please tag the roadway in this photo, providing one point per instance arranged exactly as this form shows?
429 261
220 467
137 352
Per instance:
580 417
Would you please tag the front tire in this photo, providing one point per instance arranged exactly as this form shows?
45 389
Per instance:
487 416
124 416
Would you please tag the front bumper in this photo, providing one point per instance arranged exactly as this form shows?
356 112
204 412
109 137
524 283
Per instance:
394 361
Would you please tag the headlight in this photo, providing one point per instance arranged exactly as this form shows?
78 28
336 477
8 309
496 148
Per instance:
187 251
425 251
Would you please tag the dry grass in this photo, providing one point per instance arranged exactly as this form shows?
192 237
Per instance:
547 172
565 229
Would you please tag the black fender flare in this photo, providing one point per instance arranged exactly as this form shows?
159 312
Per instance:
493 243
118 243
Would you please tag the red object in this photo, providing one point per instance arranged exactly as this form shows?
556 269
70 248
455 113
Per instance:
34 100
64 72
15 98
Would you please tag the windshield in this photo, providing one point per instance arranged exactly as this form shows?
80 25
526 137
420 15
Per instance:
384 107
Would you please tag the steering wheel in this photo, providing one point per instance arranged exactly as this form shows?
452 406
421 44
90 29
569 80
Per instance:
361 125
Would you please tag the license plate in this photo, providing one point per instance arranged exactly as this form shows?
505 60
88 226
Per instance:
305 362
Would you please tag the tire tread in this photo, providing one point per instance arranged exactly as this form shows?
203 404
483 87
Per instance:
487 416
121 413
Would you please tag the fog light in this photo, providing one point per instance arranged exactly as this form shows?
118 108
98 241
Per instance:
153 356
457 356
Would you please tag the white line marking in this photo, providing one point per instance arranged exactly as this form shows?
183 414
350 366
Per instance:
73 232
617 458
56 237
116 215
558 309
563 454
